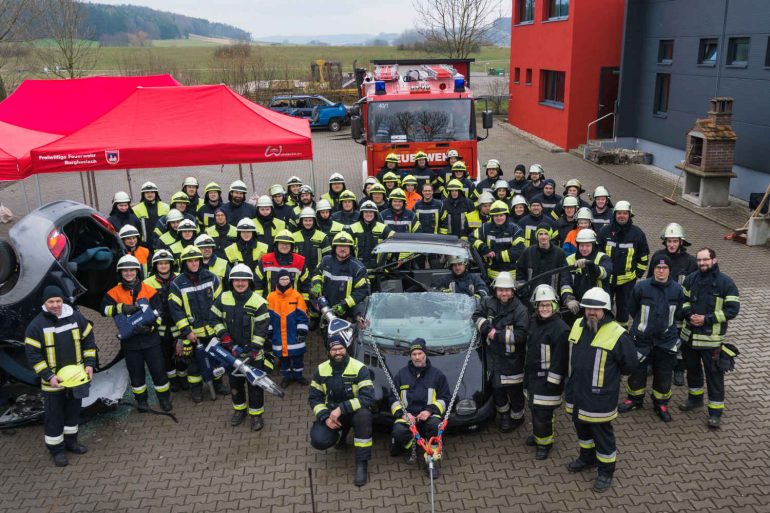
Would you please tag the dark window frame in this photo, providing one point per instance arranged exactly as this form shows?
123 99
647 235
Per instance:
703 52
528 77
662 97
516 75
663 58
562 8
767 53
732 49
553 85
525 12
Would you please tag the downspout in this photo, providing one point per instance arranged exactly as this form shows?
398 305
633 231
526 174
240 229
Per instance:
619 101
724 48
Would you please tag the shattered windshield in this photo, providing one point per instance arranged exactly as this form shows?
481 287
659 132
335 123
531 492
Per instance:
421 120
442 319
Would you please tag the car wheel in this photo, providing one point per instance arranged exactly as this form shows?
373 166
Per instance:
335 125
7 261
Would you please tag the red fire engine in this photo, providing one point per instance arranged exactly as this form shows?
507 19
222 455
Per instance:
412 105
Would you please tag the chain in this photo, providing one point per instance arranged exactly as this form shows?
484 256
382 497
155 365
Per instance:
471 347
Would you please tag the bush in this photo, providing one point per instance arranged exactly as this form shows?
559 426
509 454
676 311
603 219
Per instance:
236 51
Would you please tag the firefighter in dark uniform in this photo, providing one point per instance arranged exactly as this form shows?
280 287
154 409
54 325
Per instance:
57 341
246 249
430 212
149 210
494 173
545 367
217 265
341 396
191 297
242 320
398 217
535 218
367 233
237 207
602 207
190 187
186 233
503 321
347 213
424 390
600 351
342 279
682 264
711 301
626 244
455 207
591 268
165 239
543 258
143 347
336 186
461 281
212 201
499 241
222 232
267 223
311 243
655 305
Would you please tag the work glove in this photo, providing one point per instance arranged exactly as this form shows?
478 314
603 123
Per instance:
581 263
227 341
573 305
338 310
316 290
187 349
129 309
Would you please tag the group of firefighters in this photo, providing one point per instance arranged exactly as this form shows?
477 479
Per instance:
575 302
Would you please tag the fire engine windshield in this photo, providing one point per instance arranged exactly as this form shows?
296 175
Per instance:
421 120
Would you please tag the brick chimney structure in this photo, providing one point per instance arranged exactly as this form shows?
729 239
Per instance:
709 156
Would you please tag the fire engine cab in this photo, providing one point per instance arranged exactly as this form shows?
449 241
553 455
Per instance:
417 105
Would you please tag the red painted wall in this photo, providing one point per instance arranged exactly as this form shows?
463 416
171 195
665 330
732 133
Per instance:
589 39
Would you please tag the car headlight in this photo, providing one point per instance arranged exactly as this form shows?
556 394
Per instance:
466 407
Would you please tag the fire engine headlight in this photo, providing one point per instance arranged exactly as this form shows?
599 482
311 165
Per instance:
466 407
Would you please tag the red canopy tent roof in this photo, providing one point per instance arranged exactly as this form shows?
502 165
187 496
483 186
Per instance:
16 144
176 127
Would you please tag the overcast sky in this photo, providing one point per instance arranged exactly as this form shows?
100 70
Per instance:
294 17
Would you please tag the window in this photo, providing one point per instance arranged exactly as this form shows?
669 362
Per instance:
526 13
665 51
516 75
707 53
552 92
738 51
662 85
528 77
558 9
767 53
421 121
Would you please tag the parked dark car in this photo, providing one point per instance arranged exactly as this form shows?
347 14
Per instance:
404 307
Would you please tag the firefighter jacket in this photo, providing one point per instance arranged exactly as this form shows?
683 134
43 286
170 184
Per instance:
205 214
119 296
51 343
467 283
602 219
427 174
328 226
343 283
288 322
120 219
244 317
456 210
162 225
505 352
162 286
177 247
367 236
143 255
312 244
655 308
243 252
487 185
473 221
531 190
595 274
563 226
518 187
469 188
333 198
148 214
266 273
220 267
536 260
346 385
547 360
284 212
401 222
267 227
682 264
714 295
529 224
412 197
223 236
627 246
597 361
165 240
558 210
190 300
431 216
505 240
345 218
420 389
549 202
196 202
236 212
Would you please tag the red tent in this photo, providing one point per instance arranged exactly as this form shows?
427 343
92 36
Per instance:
177 127
15 144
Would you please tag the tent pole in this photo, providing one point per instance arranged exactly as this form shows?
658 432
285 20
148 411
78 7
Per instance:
24 190
96 194
251 170
128 177
312 179
39 194
240 171
83 187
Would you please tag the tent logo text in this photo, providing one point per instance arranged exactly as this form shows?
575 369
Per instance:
273 151
112 156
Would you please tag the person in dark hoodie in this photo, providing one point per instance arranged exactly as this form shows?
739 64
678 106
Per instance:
236 207
348 209
535 182
548 198
190 187
519 181
212 201
455 206
149 210
121 214
222 232
281 209
267 224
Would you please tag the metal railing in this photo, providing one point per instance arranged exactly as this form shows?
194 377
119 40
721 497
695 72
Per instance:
595 121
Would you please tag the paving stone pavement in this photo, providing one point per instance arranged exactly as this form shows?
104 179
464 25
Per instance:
144 462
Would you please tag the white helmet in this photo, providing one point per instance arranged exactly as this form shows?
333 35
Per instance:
544 292
186 225
276 189
456 259
536 168
570 201
238 186
204 240
190 181
128 262
241 272
306 189
601 191
246 225
596 298
336 178
452 153
673 231
624 206
174 215
586 235
149 187
504 280
121 197
518 200
501 184
368 206
265 201
307 212
128 231
492 164
323 204
486 197
294 180
585 213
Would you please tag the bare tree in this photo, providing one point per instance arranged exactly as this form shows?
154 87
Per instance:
456 26
10 14
72 52
497 92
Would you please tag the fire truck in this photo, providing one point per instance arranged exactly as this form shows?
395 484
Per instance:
412 105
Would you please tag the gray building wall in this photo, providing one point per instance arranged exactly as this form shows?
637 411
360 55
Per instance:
687 22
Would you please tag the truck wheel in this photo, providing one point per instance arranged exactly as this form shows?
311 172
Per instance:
7 261
335 125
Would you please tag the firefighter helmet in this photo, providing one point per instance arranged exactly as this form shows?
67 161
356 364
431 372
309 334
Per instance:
518 200
174 215
536 168
277 189
623 206
128 231
454 184
368 206
377 188
246 225
343 239
459 166
499 208
212 187
162 255
601 191
293 180
204 240
570 201
390 176
456 259
586 235
347 195
238 186
336 178
323 204
453 153
492 164
190 181
186 225
397 194
673 231
596 298
370 180
180 197
501 184
409 180
121 197
420 155
76 379
504 280
307 212
306 189
149 187
585 213
191 253
284 236
544 292
128 262
484 198
574 182
264 201
392 157
241 272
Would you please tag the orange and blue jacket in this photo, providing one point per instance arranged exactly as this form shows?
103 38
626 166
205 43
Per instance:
288 322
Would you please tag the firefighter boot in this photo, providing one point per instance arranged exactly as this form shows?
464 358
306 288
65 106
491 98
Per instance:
165 403
693 402
530 441
602 483
542 451
220 387
714 421
679 378
196 391
141 404
504 423
173 384
238 417
578 465
257 423
183 384
630 405
663 413
72 445
362 473
60 459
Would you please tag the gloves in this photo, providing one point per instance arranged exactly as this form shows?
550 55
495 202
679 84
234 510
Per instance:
301 338
187 349
316 290
226 341
338 310
581 264
573 305
129 309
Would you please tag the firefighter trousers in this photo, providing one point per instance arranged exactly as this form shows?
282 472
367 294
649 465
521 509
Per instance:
136 359
238 391
191 368
597 445
542 425
700 361
663 363
62 416
622 297
292 366
402 436
322 437
510 399
168 347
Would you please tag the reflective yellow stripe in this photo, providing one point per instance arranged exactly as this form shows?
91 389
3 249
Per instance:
355 404
32 342
40 366
88 330
319 408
